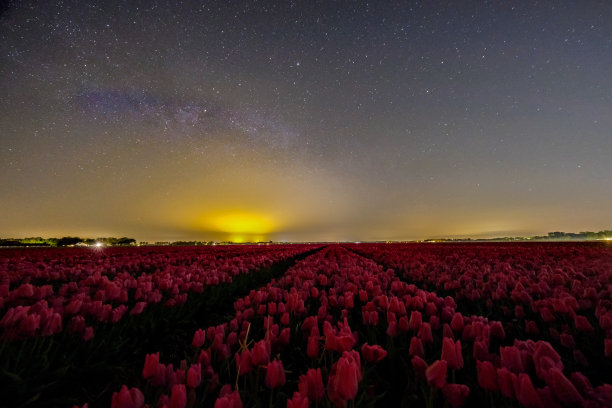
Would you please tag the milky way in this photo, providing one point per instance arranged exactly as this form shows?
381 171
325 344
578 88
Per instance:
330 120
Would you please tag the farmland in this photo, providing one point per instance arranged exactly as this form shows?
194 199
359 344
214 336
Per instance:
429 325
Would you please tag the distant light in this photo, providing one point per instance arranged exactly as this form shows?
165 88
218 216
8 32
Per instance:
99 244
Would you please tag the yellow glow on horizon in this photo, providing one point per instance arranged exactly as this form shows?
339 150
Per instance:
241 226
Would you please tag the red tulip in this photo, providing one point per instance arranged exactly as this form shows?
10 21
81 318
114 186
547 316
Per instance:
243 362
178 396
298 401
199 338
526 393
416 347
506 380
311 385
425 333
373 354
229 400
261 353
127 398
29 324
581 382
511 359
416 319
457 322
150 366
451 353
497 330
194 375
403 324
345 377
312 350
582 324
563 388
456 394
275 374
487 375
420 366
436 373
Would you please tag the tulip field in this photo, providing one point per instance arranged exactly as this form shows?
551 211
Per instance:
308 325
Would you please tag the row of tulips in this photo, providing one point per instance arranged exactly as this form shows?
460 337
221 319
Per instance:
558 292
338 329
43 291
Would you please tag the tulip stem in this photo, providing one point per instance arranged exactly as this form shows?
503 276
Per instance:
271 397
430 401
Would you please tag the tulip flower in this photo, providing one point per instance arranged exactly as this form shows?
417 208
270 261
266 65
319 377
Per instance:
452 354
127 398
420 367
582 324
194 375
436 373
511 359
416 347
311 385
527 394
243 362
312 350
563 388
150 365
373 354
456 394
298 401
275 374
229 400
487 375
457 322
425 333
260 355
345 377
199 338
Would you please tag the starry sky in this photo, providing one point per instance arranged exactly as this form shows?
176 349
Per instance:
305 120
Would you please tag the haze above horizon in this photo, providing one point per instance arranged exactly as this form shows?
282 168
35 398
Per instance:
304 121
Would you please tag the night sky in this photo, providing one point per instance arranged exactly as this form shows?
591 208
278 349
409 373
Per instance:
305 120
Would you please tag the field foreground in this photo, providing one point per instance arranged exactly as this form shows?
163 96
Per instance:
429 325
